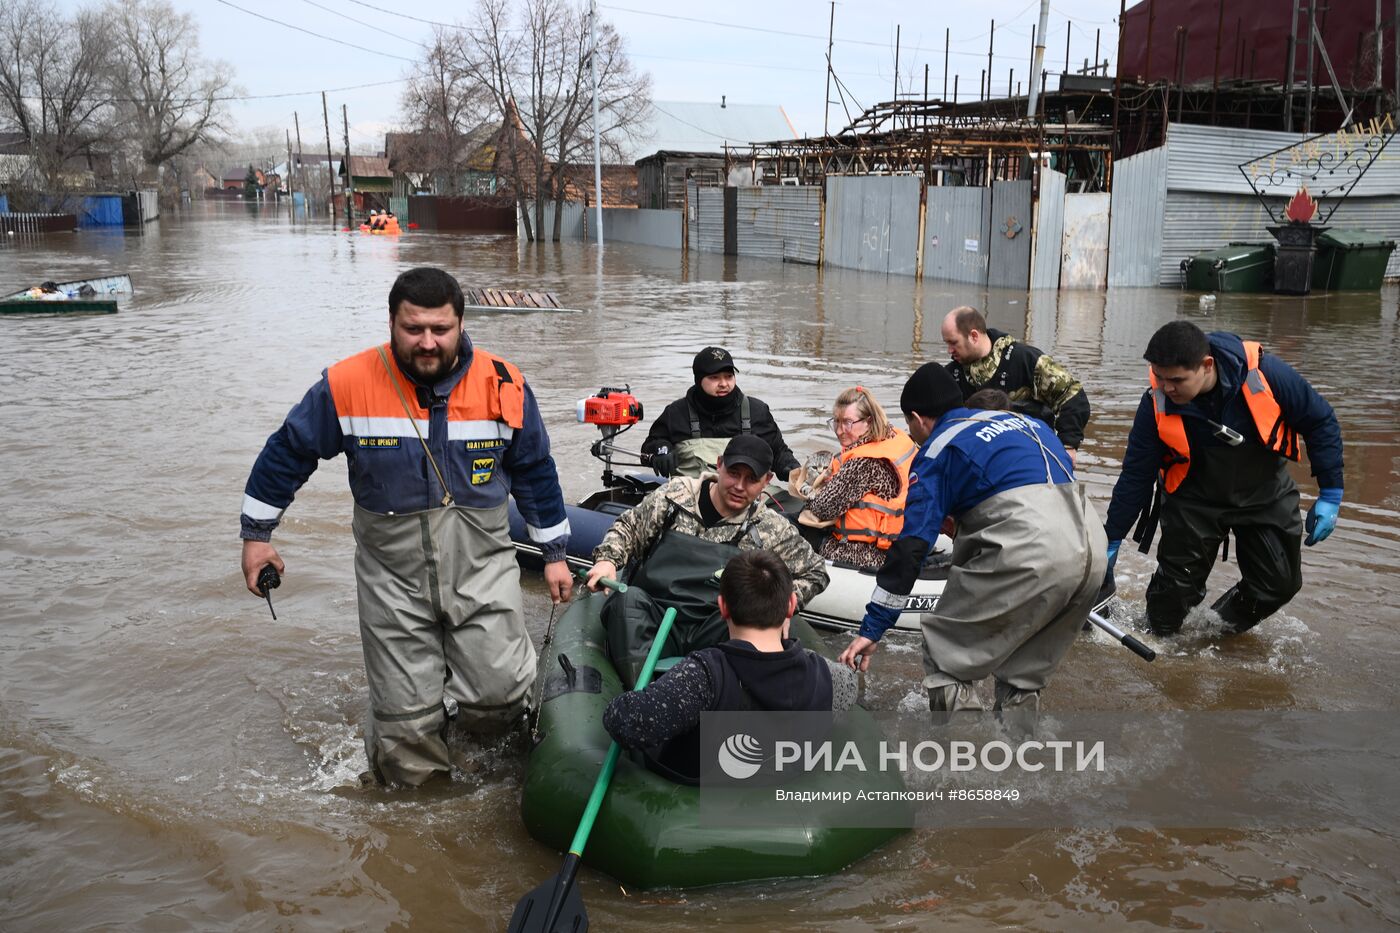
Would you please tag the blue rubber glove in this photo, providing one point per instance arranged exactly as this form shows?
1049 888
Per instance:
1322 517
1113 554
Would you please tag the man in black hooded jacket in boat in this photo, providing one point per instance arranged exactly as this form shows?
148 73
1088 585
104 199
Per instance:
758 668
693 430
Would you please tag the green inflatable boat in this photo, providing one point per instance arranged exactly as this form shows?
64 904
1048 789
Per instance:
649 833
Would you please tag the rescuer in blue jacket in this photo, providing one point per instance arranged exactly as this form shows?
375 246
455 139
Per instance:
1028 556
1214 433
437 433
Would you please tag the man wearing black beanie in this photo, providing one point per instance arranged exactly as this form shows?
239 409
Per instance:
1028 557
692 431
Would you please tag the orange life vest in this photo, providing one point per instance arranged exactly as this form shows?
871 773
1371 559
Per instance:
875 519
1263 408
491 391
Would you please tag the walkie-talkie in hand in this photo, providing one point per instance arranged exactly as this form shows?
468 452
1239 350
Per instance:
268 580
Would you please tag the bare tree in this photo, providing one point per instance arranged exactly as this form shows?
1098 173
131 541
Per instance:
52 71
490 56
624 102
168 96
535 68
443 102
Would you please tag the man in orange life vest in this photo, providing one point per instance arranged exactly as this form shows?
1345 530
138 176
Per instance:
1215 432
437 433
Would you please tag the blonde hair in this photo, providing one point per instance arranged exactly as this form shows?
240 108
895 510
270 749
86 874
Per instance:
865 403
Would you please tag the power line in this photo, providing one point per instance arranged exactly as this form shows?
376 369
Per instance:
713 22
231 97
380 9
362 23
728 64
774 32
317 34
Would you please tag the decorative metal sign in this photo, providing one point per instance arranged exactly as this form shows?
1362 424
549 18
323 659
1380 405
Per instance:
1328 165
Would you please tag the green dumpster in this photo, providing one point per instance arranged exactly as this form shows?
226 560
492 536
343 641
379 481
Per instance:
1350 259
1238 267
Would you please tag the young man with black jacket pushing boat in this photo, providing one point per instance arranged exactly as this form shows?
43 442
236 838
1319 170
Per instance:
758 668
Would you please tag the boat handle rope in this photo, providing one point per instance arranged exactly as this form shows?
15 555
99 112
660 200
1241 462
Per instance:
446 494
538 704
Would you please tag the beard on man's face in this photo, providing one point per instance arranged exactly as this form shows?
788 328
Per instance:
427 366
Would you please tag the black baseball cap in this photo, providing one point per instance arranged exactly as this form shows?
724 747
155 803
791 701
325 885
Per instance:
712 360
751 451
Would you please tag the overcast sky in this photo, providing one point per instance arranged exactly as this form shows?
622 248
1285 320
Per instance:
697 58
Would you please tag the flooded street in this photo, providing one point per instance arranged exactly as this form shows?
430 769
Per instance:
172 758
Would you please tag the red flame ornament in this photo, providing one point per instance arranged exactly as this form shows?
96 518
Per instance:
1302 207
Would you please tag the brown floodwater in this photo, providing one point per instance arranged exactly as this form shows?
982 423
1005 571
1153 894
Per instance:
171 758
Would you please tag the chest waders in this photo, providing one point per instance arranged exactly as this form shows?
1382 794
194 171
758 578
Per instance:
697 454
443 627
681 571
1247 491
1027 566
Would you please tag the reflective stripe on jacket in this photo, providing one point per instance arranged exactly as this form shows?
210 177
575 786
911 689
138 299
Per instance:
876 519
1264 409
488 396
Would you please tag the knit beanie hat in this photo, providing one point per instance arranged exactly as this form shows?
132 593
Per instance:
930 392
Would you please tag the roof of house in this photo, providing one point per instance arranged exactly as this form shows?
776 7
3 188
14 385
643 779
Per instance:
369 167
692 127
413 151
238 172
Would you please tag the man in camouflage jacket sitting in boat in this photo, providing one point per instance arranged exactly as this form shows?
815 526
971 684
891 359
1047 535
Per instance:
674 546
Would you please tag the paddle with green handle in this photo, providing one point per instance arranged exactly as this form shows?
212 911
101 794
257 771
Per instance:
605 582
556 904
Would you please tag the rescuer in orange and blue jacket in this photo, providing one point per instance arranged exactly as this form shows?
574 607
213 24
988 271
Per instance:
1214 433
437 433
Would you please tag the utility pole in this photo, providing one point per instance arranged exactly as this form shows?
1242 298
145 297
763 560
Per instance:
1312 31
330 162
991 41
1215 69
349 178
297 121
1114 147
947 34
1380 46
826 106
291 183
1288 70
1038 57
896 64
597 146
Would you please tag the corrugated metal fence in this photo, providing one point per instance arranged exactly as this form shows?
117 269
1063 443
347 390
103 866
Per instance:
955 234
572 225
1084 257
1135 228
872 223
782 223
1049 230
1009 235
705 215
641 225
101 210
